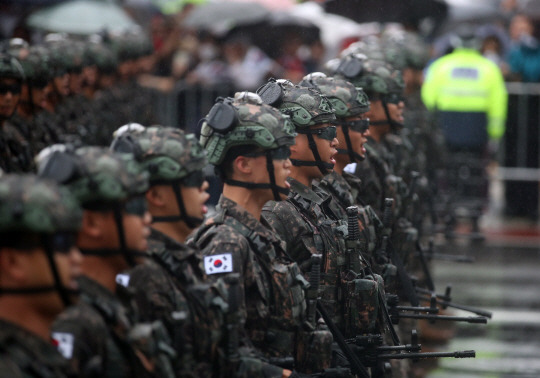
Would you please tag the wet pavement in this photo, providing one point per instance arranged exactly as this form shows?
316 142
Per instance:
504 279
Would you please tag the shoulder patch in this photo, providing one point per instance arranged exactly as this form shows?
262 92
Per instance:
122 279
350 168
218 263
64 343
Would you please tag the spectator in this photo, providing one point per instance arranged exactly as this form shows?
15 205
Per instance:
524 56
467 90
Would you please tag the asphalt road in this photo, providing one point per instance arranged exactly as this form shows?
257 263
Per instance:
504 279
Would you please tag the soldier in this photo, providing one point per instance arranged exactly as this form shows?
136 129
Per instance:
15 150
34 92
249 143
351 104
173 281
99 330
39 264
305 220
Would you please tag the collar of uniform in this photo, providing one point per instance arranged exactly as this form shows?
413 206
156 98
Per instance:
351 179
159 242
297 188
340 186
232 209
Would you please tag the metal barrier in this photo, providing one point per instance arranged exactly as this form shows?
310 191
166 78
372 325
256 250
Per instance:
519 159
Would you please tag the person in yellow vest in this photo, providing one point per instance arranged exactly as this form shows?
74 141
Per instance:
468 93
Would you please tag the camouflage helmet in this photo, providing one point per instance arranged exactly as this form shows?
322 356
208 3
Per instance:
94 174
10 67
346 99
244 120
36 66
30 203
306 106
167 153
374 76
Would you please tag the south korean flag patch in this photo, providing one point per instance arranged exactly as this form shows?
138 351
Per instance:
218 263
63 342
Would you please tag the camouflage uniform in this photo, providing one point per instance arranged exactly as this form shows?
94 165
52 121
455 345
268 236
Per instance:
106 336
171 287
18 150
273 305
99 326
35 206
23 355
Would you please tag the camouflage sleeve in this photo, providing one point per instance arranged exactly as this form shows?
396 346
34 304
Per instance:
157 298
292 228
81 335
271 217
9 368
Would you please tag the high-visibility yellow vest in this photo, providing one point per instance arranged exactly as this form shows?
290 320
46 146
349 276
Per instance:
465 81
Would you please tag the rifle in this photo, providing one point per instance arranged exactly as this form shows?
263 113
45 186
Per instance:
372 351
314 280
352 244
445 301
395 258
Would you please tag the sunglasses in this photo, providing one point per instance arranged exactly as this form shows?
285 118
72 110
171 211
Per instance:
14 89
360 126
62 242
393 98
327 133
135 206
280 153
194 179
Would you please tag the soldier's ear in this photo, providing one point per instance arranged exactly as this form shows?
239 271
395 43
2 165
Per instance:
154 197
13 264
243 165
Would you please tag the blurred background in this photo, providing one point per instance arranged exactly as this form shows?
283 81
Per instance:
201 49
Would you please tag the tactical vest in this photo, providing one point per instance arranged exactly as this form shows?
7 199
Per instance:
120 359
207 309
351 300
284 332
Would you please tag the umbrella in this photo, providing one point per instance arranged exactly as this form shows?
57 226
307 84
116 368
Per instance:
219 18
81 17
410 11
273 5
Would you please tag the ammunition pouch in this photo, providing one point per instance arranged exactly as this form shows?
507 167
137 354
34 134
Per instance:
314 353
361 306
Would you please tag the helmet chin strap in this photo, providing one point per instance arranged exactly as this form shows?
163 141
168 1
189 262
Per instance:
58 287
324 167
276 189
128 254
389 120
353 155
191 222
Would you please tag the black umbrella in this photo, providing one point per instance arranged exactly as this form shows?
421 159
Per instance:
220 18
404 11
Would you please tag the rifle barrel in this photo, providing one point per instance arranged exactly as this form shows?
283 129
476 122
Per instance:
468 319
420 356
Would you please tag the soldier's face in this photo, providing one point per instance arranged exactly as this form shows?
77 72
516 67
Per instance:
357 139
61 84
327 150
38 273
137 230
194 200
282 170
10 90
